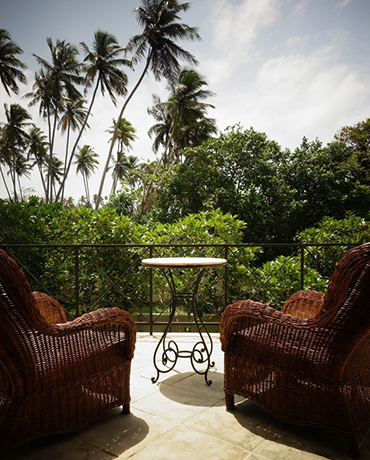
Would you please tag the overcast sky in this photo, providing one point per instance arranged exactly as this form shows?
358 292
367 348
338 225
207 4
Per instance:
289 68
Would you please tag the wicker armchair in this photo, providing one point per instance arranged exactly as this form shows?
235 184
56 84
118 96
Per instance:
308 364
57 376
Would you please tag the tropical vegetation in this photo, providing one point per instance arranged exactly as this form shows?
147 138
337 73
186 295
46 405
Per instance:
206 187
65 90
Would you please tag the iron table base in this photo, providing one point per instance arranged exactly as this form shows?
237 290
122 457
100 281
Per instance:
167 351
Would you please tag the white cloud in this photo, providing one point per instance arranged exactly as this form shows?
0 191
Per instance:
235 26
312 100
300 8
341 5
298 95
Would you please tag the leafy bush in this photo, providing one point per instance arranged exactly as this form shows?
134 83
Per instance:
198 231
349 231
280 278
111 274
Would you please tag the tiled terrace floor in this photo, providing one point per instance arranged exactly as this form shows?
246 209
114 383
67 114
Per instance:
180 417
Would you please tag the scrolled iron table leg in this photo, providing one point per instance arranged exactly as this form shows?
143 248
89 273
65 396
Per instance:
170 351
201 352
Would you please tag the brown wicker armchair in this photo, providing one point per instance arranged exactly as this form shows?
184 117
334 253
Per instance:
56 378
310 363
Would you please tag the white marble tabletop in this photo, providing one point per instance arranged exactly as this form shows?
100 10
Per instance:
184 262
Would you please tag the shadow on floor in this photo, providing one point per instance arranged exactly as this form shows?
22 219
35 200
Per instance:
195 390
309 439
112 434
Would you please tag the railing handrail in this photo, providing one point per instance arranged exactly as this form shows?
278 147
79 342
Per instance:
299 247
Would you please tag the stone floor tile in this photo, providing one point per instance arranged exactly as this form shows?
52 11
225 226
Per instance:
289 441
175 403
195 383
126 434
180 416
56 448
220 423
141 387
184 443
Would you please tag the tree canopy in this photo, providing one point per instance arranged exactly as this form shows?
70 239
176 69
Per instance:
276 193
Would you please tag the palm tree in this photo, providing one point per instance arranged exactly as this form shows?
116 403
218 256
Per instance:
102 64
125 135
38 149
159 19
54 174
54 84
86 161
195 133
133 170
21 168
74 116
63 70
185 106
3 159
10 65
120 169
14 140
184 122
160 111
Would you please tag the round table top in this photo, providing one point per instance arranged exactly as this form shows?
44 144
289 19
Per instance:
184 262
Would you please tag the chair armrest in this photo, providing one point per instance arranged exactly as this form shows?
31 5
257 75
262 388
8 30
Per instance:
247 313
103 321
304 304
50 308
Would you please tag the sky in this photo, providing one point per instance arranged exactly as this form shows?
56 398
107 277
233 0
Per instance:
288 68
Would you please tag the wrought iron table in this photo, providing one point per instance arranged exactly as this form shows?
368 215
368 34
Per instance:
201 351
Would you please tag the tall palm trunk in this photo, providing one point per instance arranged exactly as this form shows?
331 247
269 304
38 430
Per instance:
52 131
66 172
39 165
5 184
86 185
20 187
14 182
65 163
100 191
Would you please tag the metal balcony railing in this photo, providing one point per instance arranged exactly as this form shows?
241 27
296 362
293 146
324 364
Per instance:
86 277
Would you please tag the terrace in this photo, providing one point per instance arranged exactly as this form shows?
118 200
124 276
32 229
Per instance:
180 416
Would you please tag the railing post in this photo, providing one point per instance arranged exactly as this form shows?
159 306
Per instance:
77 282
150 295
302 267
226 280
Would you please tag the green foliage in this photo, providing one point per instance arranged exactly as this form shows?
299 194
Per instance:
276 193
351 230
100 268
280 278
357 138
87 226
208 227
108 249
197 231
325 181
124 202
110 276
237 172
27 222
